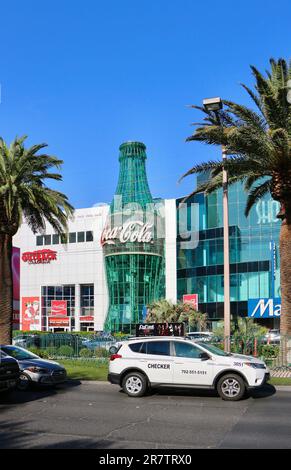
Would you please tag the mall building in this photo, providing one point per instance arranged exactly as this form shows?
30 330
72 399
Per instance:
119 257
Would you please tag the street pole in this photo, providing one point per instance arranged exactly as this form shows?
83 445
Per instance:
226 256
215 105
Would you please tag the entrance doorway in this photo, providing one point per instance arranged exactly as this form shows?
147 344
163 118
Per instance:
86 326
58 330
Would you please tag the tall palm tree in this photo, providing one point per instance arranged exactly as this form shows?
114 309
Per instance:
258 145
162 311
24 195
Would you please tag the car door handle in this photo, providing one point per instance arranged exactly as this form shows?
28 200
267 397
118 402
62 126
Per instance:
179 362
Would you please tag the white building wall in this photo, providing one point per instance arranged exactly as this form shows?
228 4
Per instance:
77 263
83 263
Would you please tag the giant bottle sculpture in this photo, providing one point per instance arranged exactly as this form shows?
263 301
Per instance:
133 244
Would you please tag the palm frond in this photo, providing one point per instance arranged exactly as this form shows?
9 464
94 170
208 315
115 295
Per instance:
257 193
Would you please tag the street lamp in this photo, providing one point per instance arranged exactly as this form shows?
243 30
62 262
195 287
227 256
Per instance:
215 104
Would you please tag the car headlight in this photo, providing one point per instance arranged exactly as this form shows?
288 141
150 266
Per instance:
37 369
255 365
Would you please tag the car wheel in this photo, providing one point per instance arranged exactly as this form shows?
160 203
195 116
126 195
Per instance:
231 387
134 384
23 382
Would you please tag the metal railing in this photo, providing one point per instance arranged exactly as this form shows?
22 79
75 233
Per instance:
276 352
66 345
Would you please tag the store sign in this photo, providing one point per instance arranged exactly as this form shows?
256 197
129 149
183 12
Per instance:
54 321
39 256
87 318
264 308
30 314
191 299
160 329
58 308
133 232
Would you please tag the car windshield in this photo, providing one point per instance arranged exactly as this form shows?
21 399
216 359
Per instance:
214 349
18 353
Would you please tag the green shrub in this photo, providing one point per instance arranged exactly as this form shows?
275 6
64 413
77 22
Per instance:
85 352
120 335
66 351
51 351
101 352
35 350
39 352
269 351
42 353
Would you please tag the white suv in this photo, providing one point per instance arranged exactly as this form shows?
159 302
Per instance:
141 363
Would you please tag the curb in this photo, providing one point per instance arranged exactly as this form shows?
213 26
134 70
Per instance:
283 388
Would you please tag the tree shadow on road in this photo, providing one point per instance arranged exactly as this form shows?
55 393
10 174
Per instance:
36 393
17 435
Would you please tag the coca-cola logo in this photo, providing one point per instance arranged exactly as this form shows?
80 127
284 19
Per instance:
133 232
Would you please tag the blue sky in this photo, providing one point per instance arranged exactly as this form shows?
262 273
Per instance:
85 76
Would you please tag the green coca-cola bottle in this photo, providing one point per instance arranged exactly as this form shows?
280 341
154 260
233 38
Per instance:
133 243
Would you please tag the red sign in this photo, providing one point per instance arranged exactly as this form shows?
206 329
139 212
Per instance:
58 308
39 256
87 318
191 299
64 321
30 313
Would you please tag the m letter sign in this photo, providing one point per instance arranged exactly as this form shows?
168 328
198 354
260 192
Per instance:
264 308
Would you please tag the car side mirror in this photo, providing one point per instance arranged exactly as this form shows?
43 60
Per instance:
204 356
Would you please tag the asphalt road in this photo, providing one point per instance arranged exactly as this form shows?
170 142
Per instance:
100 416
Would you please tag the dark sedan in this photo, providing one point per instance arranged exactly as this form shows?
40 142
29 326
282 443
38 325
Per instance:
33 369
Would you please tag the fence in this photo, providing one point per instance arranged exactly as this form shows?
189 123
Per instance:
58 345
275 352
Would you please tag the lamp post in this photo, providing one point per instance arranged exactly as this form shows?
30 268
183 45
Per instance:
215 104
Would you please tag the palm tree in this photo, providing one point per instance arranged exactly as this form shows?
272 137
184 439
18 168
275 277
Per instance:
244 332
162 311
24 195
258 144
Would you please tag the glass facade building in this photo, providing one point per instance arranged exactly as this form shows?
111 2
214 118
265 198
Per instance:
134 255
254 252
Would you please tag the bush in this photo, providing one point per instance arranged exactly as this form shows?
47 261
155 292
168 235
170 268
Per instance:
269 351
43 353
101 352
66 351
34 350
120 335
50 351
85 352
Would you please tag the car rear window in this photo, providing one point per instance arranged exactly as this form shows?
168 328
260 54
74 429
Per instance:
136 347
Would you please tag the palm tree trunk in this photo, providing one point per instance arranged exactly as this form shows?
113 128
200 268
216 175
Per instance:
6 289
285 268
